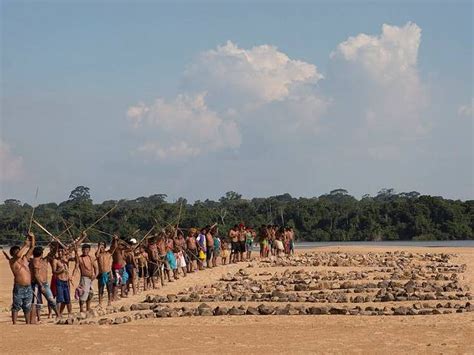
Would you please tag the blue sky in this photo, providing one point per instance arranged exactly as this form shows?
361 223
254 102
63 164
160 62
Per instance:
195 99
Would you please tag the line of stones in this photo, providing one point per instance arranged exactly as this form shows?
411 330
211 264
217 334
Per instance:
160 311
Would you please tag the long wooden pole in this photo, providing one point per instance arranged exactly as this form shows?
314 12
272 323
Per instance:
102 217
48 233
33 212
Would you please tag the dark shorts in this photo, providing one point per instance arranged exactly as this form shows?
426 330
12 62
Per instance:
235 247
193 254
152 269
209 253
143 271
22 297
63 295
242 246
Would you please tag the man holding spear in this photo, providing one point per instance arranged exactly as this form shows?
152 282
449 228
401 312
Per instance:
22 291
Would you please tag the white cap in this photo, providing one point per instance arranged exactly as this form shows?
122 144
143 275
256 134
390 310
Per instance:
133 241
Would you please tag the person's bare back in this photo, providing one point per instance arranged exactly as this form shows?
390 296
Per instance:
104 261
40 268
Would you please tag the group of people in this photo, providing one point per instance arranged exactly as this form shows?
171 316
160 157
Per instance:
128 266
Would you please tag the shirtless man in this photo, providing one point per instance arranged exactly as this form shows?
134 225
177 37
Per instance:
153 263
142 263
39 266
234 238
22 291
209 246
242 237
192 250
291 236
88 268
63 281
118 269
131 267
104 263
163 260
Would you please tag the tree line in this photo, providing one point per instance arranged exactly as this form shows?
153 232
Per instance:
335 216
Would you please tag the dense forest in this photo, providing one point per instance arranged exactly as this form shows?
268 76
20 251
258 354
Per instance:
336 216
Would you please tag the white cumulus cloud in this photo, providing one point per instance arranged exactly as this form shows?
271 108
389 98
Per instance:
181 128
11 166
245 78
385 89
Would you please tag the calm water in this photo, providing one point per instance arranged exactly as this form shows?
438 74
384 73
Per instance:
396 243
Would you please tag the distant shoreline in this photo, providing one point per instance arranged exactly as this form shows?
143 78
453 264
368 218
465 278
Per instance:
465 243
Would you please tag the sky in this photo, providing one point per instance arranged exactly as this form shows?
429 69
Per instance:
193 99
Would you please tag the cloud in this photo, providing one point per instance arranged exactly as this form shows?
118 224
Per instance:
11 166
376 77
182 128
243 78
467 110
372 93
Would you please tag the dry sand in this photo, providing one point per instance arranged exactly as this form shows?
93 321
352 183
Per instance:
452 333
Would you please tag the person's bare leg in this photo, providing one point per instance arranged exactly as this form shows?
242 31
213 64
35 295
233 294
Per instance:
61 308
27 317
81 306
69 309
14 317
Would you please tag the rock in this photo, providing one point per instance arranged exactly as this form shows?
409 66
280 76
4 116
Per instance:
354 311
104 321
205 312
252 311
172 298
204 305
400 311
119 320
265 310
388 297
337 310
143 307
124 308
358 299
221 311
161 313
236 312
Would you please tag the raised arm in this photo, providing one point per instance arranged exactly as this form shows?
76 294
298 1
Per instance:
114 244
6 255
76 261
32 242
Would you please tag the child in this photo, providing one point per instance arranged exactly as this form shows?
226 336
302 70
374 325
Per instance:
224 251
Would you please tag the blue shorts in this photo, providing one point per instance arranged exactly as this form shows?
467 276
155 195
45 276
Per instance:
62 294
44 290
129 269
22 298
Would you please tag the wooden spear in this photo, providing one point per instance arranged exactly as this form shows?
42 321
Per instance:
33 212
102 217
48 233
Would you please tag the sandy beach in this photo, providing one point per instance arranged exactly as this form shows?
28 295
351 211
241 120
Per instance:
433 333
